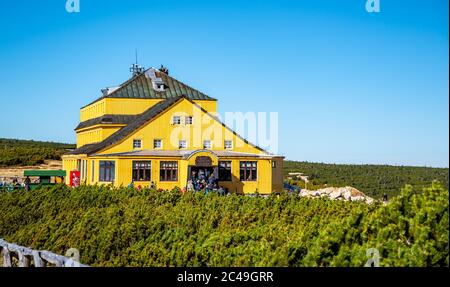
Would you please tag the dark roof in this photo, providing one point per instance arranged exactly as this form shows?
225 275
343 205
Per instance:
140 87
107 119
139 121
40 172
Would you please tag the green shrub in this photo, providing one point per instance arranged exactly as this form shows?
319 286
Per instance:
126 227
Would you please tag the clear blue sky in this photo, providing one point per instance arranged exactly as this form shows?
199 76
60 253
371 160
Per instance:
349 86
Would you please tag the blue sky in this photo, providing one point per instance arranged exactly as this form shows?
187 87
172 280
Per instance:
349 86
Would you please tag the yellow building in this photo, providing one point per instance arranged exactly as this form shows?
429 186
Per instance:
155 129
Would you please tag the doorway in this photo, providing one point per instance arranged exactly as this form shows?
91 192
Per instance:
197 171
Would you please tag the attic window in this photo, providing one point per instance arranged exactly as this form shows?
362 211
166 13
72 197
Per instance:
176 120
137 144
161 87
228 144
207 144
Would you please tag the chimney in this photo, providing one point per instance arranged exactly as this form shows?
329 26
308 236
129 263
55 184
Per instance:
105 92
164 70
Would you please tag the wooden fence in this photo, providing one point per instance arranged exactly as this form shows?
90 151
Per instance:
13 255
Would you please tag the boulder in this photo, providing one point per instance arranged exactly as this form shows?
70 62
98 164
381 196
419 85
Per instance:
347 195
335 194
357 198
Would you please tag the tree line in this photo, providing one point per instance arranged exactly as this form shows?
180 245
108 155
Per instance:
373 180
15 152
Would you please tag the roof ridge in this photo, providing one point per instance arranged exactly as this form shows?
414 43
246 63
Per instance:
182 83
122 88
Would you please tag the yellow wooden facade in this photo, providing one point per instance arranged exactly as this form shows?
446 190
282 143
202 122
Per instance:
161 127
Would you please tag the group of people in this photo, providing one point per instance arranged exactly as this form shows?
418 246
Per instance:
16 183
201 183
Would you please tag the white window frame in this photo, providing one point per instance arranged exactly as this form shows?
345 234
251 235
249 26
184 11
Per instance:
204 144
140 143
225 144
179 144
178 122
191 121
154 143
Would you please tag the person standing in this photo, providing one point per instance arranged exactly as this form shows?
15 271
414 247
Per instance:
27 183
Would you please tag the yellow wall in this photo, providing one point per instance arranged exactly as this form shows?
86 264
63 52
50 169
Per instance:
209 106
123 173
96 134
129 106
94 110
263 184
204 127
132 106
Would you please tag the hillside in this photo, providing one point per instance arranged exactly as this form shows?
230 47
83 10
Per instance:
373 180
15 152
125 227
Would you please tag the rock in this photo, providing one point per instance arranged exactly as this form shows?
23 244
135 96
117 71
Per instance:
335 194
357 198
347 195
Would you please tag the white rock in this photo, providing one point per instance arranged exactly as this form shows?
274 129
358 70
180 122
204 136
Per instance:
335 194
357 198
347 195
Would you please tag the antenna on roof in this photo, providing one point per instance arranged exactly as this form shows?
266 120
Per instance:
135 69
135 50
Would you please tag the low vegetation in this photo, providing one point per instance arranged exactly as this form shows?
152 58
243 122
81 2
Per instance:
373 180
127 227
27 152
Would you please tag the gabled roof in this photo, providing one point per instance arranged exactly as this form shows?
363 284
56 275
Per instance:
139 121
107 119
141 87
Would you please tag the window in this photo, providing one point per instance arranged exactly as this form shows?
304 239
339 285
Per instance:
228 144
224 170
157 143
142 170
188 120
274 165
182 144
137 144
176 120
248 171
168 171
107 171
207 144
